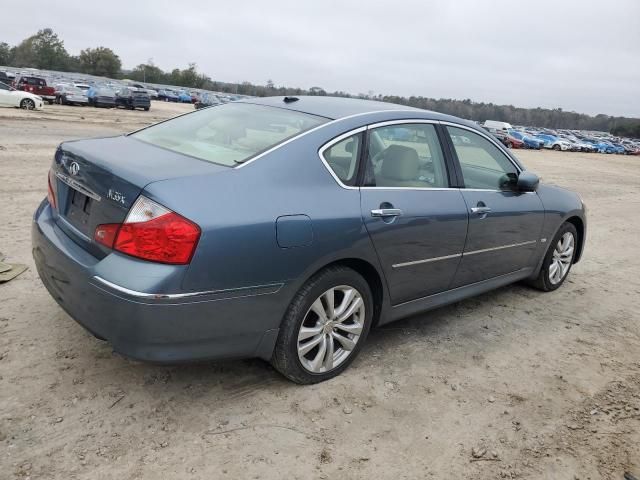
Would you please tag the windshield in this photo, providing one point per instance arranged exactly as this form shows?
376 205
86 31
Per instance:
229 134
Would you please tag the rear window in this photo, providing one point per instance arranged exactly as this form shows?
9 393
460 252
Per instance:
229 134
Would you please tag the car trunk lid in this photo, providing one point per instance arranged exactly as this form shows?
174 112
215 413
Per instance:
97 181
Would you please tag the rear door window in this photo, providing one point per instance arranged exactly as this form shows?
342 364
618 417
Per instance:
405 156
229 134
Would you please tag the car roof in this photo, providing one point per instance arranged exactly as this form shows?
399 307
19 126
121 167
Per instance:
336 108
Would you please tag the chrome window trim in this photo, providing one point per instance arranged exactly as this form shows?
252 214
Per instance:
478 132
177 296
463 254
354 131
388 123
341 137
314 129
330 144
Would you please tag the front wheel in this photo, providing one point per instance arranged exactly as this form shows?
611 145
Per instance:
27 104
556 148
558 259
325 326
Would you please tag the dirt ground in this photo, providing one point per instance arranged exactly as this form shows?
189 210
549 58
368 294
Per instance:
535 385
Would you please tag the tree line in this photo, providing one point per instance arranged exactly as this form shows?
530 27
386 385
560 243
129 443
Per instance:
45 50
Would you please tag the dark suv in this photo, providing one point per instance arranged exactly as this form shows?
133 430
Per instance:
132 98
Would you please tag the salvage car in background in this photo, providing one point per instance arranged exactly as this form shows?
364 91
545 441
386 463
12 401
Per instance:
132 98
206 100
70 95
37 86
167 95
184 97
527 140
100 96
554 143
10 97
316 239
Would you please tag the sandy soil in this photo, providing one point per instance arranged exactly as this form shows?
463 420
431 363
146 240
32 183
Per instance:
536 385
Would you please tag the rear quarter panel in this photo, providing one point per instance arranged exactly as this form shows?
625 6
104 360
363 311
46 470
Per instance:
237 210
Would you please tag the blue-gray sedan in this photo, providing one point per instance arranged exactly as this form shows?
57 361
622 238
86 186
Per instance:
285 228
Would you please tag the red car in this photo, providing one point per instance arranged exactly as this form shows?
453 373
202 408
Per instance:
37 86
507 140
512 142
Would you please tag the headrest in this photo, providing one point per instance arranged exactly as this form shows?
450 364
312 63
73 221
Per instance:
400 163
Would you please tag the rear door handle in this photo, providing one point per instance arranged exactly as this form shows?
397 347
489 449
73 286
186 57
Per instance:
386 212
480 210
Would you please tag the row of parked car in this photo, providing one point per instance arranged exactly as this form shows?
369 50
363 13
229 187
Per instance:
66 90
561 140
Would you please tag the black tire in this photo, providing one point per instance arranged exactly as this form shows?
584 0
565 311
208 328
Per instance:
509 145
146 109
285 356
543 282
556 148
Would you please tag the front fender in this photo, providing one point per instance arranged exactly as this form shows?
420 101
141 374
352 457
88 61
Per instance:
560 206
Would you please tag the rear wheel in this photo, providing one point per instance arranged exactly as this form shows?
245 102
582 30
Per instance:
558 259
509 145
556 148
324 327
27 104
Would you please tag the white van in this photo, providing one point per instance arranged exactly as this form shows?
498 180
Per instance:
497 125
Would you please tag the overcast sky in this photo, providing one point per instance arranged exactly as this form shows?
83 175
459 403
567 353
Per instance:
581 55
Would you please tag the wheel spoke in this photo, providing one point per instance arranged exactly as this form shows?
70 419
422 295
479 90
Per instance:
567 254
328 359
319 358
329 301
346 343
558 275
553 268
318 309
346 301
307 347
355 305
308 332
353 328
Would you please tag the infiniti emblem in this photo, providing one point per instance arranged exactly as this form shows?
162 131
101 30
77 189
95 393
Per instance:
74 168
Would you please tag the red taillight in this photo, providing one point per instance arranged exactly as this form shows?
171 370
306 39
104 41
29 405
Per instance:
106 234
153 233
51 193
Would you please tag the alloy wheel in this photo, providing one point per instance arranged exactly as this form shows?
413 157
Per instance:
562 258
331 329
28 104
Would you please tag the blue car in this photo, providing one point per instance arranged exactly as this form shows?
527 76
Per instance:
100 96
286 228
529 142
184 97
168 95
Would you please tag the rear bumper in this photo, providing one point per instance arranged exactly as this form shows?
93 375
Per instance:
186 326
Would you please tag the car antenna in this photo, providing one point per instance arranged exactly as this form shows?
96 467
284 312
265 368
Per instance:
290 99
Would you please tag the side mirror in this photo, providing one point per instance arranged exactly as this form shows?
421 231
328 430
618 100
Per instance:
528 182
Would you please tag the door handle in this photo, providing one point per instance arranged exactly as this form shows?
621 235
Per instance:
386 212
480 210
